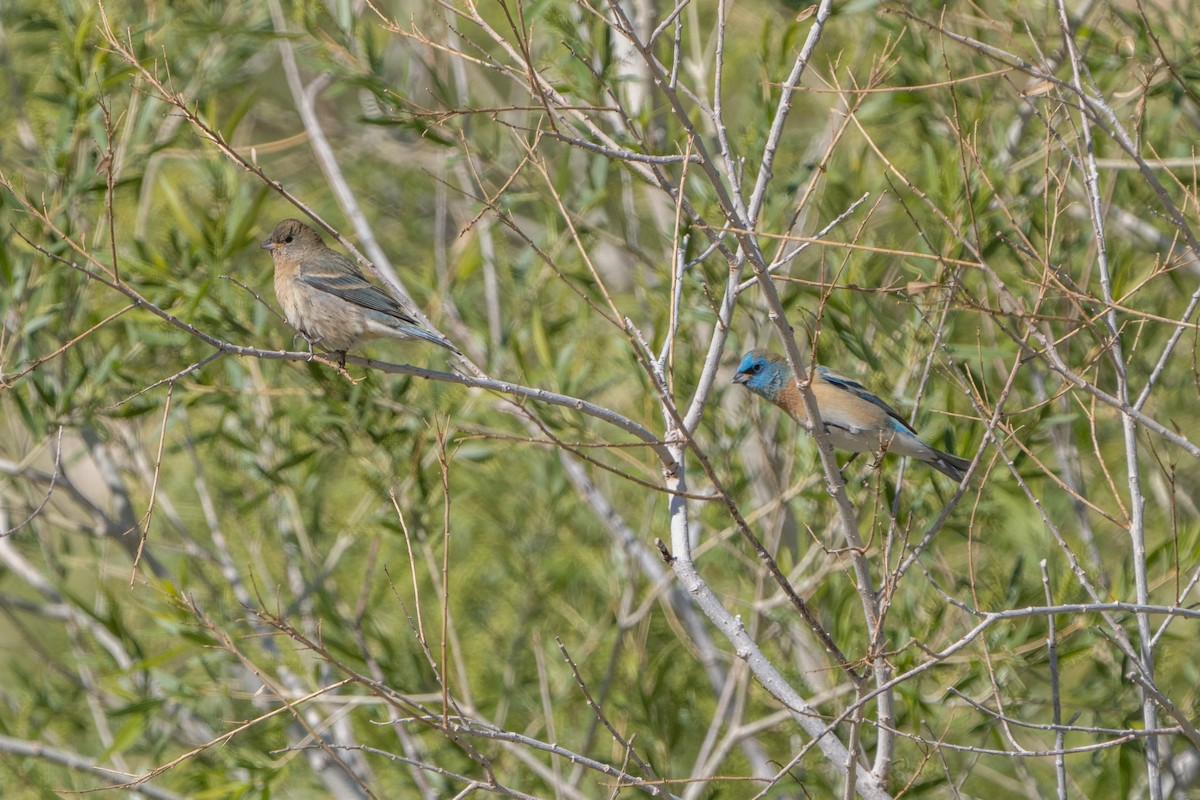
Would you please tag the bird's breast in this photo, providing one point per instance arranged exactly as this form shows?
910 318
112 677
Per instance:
323 318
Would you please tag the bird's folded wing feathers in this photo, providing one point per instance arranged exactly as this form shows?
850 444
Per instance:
355 289
854 387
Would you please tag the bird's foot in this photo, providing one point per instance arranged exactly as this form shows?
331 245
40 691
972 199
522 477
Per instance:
849 461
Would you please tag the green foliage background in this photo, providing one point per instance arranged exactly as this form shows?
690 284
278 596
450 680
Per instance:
285 477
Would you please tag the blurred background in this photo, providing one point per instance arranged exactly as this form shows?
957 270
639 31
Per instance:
371 583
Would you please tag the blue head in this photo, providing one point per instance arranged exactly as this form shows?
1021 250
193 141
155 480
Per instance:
764 373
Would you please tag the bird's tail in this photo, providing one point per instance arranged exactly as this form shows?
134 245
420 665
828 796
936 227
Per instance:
948 464
430 336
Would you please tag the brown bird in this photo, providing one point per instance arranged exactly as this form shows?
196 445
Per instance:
325 296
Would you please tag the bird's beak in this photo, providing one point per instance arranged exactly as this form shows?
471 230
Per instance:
741 377
269 245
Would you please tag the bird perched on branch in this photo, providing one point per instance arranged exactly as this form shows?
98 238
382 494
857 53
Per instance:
855 419
325 296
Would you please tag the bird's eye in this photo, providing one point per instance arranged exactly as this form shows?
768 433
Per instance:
288 240
756 367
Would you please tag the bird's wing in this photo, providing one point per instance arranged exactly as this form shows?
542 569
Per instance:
352 287
854 387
